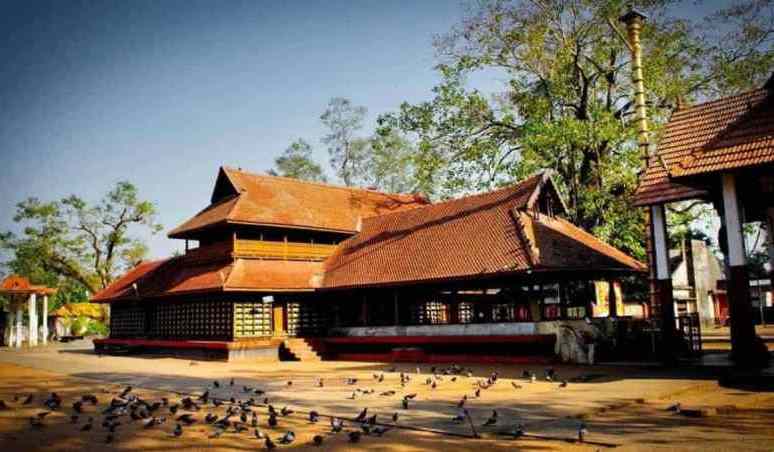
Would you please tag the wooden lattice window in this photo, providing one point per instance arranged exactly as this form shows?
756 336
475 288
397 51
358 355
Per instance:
252 319
127 320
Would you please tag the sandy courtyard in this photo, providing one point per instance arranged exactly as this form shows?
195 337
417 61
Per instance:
624 408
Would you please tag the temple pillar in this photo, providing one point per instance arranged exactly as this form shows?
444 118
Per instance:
746 348
364 312
611 301
770 234
396 308
10 334
33 320
44 315
663 283
19 319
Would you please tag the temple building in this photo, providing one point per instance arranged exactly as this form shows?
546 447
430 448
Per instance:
277 267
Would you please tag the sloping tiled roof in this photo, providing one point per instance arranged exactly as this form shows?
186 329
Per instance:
728 133
487 234
280 201
180 275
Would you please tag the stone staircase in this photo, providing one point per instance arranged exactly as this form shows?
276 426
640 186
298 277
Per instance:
299 349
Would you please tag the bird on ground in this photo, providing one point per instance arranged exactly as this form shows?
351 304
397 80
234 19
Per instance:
53 402
272 420
178 430
563 384
492 419
87 426
395 417
271 409
515 385
336 425
243 417
215 384
216 402
43 414
240 427
353 396
675 407
387 393
371 420
173 408
247 389
150 423
90 398
518 431
290 383
231 383
259 434
187 419
125 392
478 392
460 416
217 432
204 397
314 416
317 440
462 401
379 431
532 378
28 399
285 411
391 369
405 403
469 374
351 381
320 383
582 432
269 443
410 396
3 405
36 422
361 417
381 378
287 438
434 385
354 436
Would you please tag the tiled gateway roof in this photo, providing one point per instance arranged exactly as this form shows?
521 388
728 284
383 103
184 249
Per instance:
487 234
725 134
179 275
240 197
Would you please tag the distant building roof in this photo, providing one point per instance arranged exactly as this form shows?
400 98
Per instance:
240 197
80 310
725 134
498 232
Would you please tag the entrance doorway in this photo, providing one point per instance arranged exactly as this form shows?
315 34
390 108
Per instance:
279 320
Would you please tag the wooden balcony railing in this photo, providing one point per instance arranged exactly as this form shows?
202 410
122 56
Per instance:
283 250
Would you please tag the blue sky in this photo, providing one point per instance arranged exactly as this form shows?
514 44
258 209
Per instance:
161 93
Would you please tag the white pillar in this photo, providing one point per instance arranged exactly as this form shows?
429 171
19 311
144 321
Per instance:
44 314
660 244
733 223
770 233
33 320
10 335
19 318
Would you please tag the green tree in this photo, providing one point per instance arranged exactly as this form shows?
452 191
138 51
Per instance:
297 162
387 163
566 103
77 246
346 150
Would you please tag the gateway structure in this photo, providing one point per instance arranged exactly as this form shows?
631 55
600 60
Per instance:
360 274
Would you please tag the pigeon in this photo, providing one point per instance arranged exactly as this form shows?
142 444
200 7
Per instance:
434 385
290 383
351 381
231 383
178 430
150 423
187 419
405 404
125 392
478 392
317 440
28 400
217 432
354 436
286 411
410 396
336 425
210 418
89 398
387 393
319 382
379 431
582 432
563 384
288 438
173 408
675 408
314 416
87 426
395 417
462 401
362 416
532 378
259 434
216 384
43 414
353 396
272 420
518 431
492 419
269 444
515 385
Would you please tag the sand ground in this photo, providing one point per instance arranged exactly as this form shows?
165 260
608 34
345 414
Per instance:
623 407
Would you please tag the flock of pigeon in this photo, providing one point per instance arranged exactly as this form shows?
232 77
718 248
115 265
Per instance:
242 414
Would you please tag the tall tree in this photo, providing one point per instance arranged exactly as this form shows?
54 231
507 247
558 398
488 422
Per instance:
77 243
387 163
346 150
297 162
567 101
